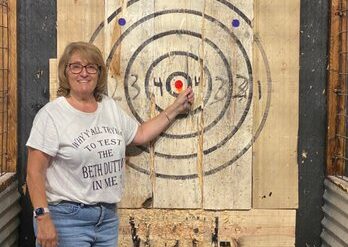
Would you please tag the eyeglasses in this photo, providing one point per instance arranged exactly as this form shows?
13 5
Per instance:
76 68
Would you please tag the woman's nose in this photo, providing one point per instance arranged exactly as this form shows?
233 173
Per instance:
84 72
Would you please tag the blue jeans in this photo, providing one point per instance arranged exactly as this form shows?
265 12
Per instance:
84 225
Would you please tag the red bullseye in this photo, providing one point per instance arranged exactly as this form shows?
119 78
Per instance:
178 85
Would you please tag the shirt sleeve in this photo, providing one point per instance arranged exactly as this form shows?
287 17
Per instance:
43 135
129 126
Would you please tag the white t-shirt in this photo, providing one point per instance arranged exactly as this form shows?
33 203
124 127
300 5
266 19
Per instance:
87 149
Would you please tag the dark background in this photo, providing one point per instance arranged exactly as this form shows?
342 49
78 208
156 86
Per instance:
37 44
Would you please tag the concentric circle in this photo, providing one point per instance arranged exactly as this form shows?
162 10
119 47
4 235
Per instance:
209 42
178 79
183 74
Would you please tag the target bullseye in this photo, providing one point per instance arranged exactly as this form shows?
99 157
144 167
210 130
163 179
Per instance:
178 81
170 85
178 85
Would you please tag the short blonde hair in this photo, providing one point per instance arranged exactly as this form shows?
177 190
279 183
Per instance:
92 54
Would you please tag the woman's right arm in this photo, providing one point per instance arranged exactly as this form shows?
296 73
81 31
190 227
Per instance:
38 163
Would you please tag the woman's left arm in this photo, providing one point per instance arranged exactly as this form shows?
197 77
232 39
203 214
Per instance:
150 129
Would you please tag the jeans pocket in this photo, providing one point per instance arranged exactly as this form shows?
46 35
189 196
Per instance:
64 209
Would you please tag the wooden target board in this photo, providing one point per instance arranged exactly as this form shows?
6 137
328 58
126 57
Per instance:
153 51
221 155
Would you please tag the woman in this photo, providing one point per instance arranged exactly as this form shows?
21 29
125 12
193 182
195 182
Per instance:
76 153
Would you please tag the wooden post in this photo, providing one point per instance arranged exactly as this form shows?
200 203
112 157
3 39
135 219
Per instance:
336 89
12 88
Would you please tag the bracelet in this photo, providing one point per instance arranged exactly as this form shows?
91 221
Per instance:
165 113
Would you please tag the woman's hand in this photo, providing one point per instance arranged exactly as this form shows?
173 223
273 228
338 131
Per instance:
46 232
184 101
150 129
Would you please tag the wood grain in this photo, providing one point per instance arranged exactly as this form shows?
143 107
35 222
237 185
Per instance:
12 89
275 168
198 228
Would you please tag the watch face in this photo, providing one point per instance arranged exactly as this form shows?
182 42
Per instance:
39 211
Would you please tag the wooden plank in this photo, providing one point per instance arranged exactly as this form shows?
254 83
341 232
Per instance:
53 78
336 85
12 88
138 50
207 228
80 26
96 25
138 187
178 175
4 56
275 173
341 124
227 180
118 48
335 123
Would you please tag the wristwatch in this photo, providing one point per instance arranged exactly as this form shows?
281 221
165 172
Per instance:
40 211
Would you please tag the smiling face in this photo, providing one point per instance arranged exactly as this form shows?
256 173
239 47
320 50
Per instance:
82 84
83 53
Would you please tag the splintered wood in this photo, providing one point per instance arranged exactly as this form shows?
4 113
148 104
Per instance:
206 228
